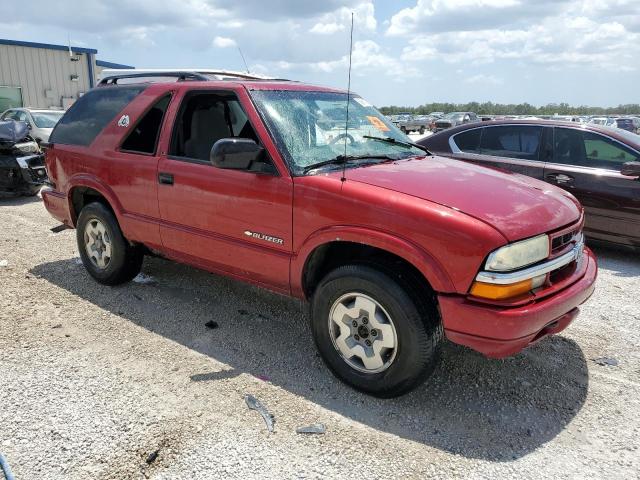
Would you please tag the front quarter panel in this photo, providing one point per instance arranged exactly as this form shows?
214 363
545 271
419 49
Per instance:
447 246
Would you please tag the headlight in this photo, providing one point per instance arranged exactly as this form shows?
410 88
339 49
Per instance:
519 254
27 147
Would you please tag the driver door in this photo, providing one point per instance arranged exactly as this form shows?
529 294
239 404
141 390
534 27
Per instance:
232 221
588 165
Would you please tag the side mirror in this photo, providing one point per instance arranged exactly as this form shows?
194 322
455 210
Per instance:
631 169
235 153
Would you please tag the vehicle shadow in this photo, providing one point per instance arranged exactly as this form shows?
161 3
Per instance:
497 410
622 261
16 201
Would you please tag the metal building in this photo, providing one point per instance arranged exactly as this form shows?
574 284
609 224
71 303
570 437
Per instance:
43 75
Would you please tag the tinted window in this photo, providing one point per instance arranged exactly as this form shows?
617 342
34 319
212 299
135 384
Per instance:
86 118
144 135
583 148
521 141
469 141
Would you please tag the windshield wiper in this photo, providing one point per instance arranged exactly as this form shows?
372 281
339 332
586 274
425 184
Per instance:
397 142
342 159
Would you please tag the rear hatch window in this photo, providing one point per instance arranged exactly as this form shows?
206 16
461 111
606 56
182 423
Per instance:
86 118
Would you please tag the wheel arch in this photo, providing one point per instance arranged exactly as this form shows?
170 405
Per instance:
84 190
333 247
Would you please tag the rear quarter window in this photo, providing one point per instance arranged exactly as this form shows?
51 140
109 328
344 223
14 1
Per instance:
86 118
468 141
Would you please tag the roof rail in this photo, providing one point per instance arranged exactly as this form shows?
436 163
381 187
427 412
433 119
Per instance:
112 76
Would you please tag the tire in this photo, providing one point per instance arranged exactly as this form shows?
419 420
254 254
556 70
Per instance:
416 329
403 129
421 130
120 261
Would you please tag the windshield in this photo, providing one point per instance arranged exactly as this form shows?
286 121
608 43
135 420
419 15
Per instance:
310 128
453 116
46 119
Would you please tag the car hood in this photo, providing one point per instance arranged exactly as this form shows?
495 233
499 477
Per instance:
515 205
12 132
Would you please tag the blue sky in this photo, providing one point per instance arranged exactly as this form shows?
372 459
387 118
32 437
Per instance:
406 52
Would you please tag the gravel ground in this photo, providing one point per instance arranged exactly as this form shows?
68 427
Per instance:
128 382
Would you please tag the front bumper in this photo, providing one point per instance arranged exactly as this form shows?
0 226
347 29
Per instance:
503 331
19 175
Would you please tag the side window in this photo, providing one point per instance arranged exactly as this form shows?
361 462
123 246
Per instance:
588 149
469 141
21 116
86 118
518 141
144 136
8 115
205 118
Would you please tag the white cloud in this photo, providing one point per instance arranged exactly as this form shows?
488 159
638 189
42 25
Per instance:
224 42
369 57
326 28
574 33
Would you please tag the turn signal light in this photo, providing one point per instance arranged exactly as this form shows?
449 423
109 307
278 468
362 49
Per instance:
492 291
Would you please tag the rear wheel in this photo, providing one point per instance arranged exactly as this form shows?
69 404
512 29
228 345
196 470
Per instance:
403 129
421 130
373 331
105 253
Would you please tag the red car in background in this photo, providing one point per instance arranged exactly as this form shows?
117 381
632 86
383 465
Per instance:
391 247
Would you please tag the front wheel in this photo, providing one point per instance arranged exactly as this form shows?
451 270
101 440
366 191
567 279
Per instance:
105 253
373 332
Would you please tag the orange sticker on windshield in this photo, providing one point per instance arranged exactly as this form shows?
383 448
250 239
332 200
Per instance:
379 124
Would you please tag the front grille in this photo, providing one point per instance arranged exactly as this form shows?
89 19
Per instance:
558 243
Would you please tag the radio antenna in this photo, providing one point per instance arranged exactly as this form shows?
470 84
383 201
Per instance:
243 60
346 122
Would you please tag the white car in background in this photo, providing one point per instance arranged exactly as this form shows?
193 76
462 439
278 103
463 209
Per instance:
605 121
41 122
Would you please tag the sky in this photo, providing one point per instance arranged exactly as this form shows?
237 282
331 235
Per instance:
405 52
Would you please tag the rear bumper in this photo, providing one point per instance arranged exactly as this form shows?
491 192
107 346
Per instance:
500 331
57 205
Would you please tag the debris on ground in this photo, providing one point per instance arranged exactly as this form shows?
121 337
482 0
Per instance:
254 404
59 228
143 279
317 428
211 324
78 261
606 361
5 469
4 263
57 325
153 456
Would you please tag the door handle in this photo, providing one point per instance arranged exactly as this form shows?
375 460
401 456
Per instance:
165 178
560 178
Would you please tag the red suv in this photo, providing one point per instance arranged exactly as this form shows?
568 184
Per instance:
266 181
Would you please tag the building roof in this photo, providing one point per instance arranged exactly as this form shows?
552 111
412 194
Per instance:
48 46
102 63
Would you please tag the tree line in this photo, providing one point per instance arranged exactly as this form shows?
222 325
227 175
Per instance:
490 108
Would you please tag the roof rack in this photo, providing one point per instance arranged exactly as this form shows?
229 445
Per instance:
111 76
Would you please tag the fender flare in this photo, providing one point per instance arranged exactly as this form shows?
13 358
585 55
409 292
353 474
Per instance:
417 256
83 180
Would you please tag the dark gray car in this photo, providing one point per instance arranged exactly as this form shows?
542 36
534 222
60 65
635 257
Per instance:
454 119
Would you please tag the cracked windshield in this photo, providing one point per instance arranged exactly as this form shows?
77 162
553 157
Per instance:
310 128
